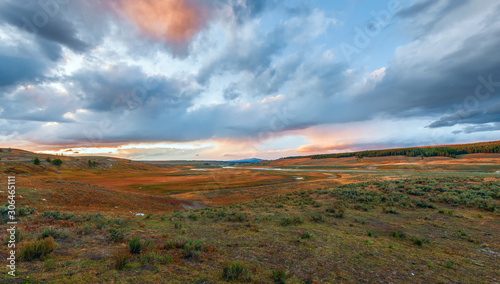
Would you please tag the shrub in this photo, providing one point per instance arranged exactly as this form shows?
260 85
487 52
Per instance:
279 276
37 249
317 218
449 264
135 245
419 241
238 217
306 235
148 216
86 230
369 233
56 215
56 234
57 162
23 211
236 271
193 216
49 264
48 160
119 221
36 161
390 211
115 235
190 251
337 212
295 221
121 259
398 234
177 225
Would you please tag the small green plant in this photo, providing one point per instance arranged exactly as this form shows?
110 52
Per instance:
419 241
37 249
49 264
135 245
86 230
285 221
121 259
57 162
398 234
23 211
306 235
279 276
193 216
336 212
369 233
36 161
148 216
116 235
119 221
177 225
390 211
449 264
56 234
318 218
236 271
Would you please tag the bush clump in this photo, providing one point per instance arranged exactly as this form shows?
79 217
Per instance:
279 276
236 271
122 258
37 249
135 245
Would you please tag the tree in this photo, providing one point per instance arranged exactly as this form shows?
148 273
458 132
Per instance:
57 162
36 161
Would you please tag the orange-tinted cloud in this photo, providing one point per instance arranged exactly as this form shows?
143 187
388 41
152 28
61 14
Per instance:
175 21
323 148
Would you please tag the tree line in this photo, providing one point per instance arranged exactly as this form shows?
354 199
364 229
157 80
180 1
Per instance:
430 151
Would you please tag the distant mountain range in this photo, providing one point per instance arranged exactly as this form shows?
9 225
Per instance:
243 161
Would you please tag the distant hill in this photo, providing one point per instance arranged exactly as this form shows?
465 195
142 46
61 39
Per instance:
425 151
243 161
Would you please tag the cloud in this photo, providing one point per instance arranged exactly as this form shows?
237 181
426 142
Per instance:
44 19
323 148
176 21
15 70
123 87
476 116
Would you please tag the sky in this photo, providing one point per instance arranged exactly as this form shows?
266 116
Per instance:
235 79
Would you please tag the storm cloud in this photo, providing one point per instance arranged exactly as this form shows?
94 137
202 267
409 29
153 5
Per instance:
122 71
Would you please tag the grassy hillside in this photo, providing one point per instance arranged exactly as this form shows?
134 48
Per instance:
428 151
426 230
78 222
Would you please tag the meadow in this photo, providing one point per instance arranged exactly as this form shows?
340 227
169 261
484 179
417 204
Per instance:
341 220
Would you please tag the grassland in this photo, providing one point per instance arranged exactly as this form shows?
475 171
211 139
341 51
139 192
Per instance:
414 221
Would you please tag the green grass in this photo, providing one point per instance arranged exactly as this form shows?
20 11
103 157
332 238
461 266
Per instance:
292 237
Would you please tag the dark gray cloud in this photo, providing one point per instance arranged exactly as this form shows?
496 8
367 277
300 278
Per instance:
477 116
40 103
45 19
16 70
123 87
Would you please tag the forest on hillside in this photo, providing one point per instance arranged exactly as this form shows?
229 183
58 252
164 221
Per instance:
431 151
